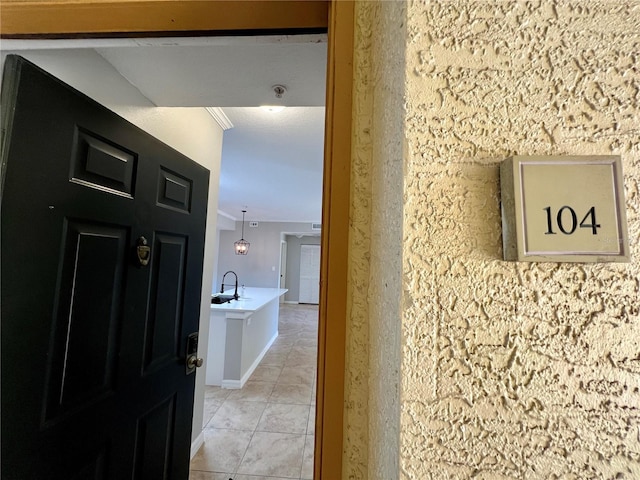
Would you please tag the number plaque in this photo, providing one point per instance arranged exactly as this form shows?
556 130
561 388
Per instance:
563 209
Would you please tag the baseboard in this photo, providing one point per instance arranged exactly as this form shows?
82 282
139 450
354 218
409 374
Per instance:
291 302
232 384
258 359
235 384
196 444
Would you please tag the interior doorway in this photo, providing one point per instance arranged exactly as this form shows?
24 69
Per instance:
84 55
42 19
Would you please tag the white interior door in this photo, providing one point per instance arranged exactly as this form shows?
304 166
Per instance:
283 267
309 274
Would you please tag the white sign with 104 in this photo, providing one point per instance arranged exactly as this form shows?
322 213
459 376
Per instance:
563 209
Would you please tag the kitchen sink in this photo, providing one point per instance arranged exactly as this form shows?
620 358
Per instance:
221 299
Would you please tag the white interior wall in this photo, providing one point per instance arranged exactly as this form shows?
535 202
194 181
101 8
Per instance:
224 222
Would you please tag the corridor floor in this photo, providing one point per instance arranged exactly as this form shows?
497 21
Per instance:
265 431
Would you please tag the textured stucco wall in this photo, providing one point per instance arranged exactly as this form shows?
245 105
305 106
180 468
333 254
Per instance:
374 334
516 370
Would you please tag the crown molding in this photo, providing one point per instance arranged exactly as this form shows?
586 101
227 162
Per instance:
225 214
219 116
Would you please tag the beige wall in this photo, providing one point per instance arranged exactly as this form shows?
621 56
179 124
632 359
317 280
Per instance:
372 416
508 370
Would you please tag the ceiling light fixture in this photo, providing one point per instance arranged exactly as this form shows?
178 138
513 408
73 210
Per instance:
272 108
242 246
279 91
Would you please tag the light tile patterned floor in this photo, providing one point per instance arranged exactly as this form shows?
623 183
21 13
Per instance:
265 431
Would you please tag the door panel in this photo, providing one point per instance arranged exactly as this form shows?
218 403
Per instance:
174 191
103 165
92 341
153 441
309 274
95 468
166 300
88 316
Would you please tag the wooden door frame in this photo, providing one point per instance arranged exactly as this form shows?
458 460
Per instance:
125 18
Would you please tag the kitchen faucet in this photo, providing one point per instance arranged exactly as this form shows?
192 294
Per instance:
235 294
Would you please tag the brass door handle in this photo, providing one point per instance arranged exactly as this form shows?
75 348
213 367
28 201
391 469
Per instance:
194 362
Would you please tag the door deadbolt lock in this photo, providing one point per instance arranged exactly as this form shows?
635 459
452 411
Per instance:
194 362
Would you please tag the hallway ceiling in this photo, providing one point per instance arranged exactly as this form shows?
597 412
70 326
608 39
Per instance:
224 71
271 162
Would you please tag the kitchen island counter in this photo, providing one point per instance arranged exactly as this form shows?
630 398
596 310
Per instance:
240 333
252 300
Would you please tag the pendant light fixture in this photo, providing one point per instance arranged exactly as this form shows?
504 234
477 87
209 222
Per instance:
242 246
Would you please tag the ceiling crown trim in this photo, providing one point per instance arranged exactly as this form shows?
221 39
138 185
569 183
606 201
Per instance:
219 116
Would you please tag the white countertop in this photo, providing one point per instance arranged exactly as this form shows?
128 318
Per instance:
254 299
